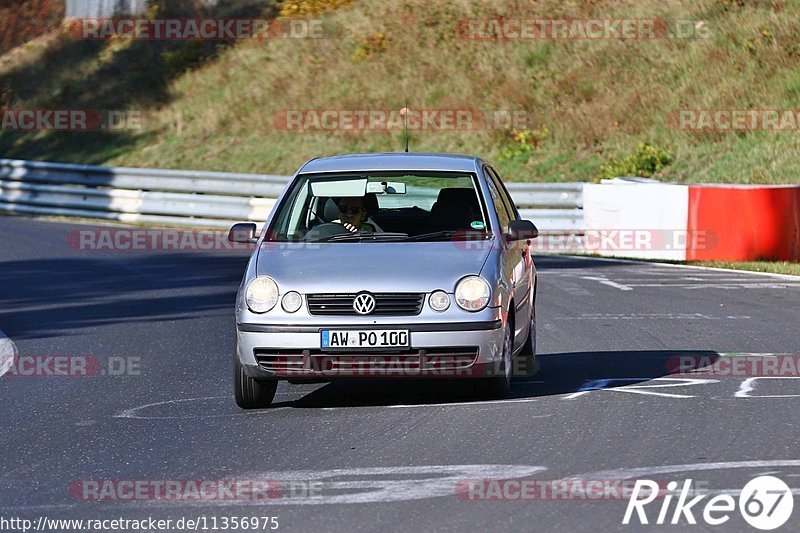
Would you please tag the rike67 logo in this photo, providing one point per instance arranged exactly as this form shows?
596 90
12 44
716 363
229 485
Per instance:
765 503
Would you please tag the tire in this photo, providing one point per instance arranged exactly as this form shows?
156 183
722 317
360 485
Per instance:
251 393
499 386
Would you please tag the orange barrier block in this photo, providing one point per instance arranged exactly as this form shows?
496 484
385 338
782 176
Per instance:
744 223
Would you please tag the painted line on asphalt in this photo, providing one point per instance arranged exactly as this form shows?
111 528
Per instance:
340 486
393 484
603 384
639 385
648 472
8 352
135 413
753 354
605 281
387 484
672 265
630 473
449 404
651 316
747 387
725 286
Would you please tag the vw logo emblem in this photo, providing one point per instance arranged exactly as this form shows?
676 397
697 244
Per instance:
364 303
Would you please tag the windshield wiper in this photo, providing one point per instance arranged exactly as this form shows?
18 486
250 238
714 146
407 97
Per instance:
363 236
447 234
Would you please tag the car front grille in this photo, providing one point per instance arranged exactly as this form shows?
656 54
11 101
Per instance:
386 304
431 361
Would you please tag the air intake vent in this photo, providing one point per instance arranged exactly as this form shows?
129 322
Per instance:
386 304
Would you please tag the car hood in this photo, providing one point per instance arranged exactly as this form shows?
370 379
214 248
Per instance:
370 266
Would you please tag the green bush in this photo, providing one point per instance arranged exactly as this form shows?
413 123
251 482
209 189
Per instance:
305 8
520 144
369 46
645 162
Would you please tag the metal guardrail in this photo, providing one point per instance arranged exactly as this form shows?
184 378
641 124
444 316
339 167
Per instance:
102 8
207 199
554 207
139 195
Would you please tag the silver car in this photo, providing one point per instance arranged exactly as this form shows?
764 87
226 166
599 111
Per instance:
387 266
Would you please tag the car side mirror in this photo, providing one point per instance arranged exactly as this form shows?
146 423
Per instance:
521 229
244 233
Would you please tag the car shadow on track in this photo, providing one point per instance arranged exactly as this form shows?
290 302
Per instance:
560 374
63 295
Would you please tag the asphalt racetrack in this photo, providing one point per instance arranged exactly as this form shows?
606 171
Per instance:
157 329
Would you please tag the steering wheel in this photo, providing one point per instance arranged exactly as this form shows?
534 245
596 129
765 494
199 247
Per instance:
326 229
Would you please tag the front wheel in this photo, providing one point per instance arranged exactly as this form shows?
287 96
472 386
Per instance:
499 386
528 364
251 393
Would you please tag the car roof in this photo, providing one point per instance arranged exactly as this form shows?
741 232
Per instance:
393 161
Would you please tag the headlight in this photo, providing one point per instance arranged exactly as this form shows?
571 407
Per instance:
439 301
291 301
261 294
472 293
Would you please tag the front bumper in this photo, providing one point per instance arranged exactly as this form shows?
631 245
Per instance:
438 350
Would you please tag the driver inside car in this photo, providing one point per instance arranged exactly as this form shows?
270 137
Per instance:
354 215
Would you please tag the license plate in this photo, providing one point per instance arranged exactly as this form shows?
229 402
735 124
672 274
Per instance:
369 338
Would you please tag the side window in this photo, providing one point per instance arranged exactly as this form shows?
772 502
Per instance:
499 205
509 203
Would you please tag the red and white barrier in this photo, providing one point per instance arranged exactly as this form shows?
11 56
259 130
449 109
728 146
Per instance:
751 222
693 222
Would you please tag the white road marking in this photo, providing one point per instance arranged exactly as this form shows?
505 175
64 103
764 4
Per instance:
650 316
648 472
659 276
749 354
746 387
735 492
666 266
477 403
343 486
602 384
726 286
605 281
133 412
639 385
136 412
389 484
405 483
573 289
654 277
630 473
8 352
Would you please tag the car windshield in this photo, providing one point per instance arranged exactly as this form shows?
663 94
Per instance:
370 207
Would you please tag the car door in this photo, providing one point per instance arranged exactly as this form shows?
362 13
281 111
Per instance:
517 258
